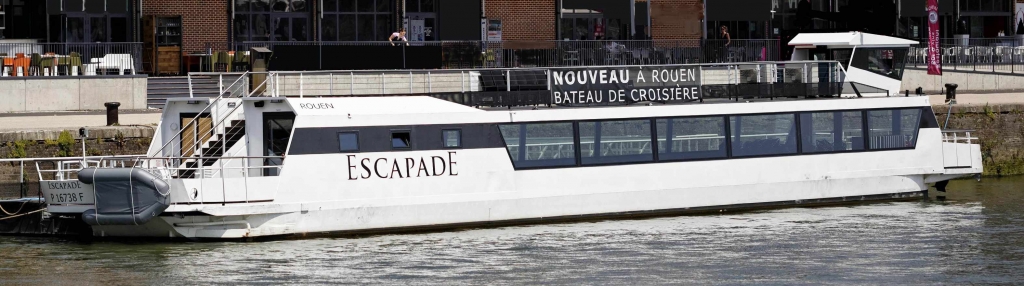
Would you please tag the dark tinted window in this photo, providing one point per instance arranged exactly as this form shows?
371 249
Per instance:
759 135
348 141
884 61
691 138
401 140
893 128
832 131
615 142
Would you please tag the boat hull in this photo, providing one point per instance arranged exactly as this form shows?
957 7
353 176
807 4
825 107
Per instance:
334 219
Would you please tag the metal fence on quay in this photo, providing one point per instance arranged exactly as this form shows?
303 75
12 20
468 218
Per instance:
485 54
70 59
1002 55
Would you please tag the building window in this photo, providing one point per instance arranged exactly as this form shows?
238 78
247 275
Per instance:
832 131
893 128
620 141
452 138
762 135
356 20
540 144
348 141
401 140
691 138
272 20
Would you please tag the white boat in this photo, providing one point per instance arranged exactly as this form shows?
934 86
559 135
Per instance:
310 156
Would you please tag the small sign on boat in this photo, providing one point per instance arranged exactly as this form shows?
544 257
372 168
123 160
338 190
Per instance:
625 85
67 192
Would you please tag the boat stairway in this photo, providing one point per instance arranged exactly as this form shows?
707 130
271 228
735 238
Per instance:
214 148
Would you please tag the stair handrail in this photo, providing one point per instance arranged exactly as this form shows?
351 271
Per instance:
219 123
200 113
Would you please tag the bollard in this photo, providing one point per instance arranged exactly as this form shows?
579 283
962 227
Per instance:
951 93
112 113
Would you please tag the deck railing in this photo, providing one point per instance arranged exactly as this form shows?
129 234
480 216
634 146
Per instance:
494 87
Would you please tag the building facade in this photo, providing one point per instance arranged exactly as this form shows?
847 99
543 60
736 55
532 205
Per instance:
206 22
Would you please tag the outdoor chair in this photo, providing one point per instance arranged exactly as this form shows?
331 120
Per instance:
8 67
241 62
45 66
221 62
63 66
571 56
34 64
75 64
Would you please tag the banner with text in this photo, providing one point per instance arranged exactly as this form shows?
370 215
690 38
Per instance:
624 85
934 54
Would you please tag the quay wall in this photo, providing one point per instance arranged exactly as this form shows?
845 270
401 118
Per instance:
976 82
40 144
1000 130
25 94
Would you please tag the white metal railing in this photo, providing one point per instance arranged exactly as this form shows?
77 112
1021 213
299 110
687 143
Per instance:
958 136
404 82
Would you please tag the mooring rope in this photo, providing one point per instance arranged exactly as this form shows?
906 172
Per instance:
15 212
24 214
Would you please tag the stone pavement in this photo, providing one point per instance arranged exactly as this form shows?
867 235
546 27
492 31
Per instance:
73 120
981 99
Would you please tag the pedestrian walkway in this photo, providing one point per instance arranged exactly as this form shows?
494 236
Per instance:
981 99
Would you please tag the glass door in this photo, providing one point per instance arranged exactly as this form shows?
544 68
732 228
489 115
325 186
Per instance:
277 131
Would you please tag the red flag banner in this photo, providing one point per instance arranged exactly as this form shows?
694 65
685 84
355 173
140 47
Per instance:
934 54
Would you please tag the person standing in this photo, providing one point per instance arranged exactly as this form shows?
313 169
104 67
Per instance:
400 35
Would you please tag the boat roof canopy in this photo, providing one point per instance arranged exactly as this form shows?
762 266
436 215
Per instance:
847 40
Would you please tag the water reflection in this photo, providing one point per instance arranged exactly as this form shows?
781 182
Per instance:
975 236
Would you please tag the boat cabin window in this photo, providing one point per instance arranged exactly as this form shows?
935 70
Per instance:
618 141
893 128
401 139
691 138
348 141
452 138
883 61
625 141
837 131
536 145
761 135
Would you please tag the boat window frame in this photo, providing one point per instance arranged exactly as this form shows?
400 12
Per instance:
614 159
409 144
458 138
341 148
657 144
863 130
733 132
916 127
521 140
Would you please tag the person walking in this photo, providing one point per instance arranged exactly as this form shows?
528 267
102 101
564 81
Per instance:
728 40
400 35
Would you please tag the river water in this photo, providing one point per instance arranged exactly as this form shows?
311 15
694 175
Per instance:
975 236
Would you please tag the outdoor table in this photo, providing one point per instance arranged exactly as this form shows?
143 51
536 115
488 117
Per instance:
53 68
204 62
